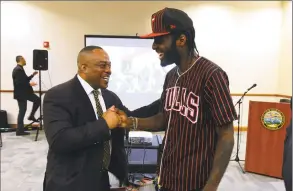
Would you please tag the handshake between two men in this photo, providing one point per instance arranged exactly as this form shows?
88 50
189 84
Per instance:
115 117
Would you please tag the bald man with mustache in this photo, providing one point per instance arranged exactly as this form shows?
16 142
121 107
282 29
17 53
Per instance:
81 119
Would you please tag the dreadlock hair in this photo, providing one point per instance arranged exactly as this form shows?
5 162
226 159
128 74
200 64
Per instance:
190 39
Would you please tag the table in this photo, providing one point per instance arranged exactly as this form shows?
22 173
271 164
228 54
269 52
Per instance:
143 158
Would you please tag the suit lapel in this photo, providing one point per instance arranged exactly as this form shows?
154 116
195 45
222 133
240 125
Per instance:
108 103
83 100
107 98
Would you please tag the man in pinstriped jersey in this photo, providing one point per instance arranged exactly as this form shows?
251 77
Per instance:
197 111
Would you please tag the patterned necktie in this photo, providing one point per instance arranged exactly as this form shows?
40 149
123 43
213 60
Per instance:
106 158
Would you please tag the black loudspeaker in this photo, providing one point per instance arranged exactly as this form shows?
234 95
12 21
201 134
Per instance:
3 119
40 59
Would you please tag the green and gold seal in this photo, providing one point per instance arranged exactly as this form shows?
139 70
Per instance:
273 119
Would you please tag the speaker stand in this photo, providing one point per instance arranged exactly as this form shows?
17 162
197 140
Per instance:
41 116
30 125
1 139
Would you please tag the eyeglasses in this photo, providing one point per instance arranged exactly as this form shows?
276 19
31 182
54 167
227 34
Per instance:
103 65
100 64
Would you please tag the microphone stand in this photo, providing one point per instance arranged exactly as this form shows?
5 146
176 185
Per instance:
239 102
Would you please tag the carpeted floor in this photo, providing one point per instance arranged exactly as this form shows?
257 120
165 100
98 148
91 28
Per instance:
23 163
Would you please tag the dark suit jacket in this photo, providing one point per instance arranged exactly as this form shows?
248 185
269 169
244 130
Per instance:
75 139
148 110
22 88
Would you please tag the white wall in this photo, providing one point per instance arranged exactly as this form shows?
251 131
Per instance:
285 63
242 37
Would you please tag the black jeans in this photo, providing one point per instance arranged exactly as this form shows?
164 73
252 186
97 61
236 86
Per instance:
22 105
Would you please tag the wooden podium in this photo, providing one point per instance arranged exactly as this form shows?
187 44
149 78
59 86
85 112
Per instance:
267 123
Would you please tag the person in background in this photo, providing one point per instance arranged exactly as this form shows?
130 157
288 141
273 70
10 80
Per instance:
23 92
287 156
197 111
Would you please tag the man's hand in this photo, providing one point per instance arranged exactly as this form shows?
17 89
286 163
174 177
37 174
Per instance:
126 122
35 73
123 117
112 118
33 83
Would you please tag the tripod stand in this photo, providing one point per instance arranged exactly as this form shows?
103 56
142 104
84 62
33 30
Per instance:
40 62
238 134
239 102
30 125
40 119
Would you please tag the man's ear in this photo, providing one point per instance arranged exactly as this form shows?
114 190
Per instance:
181 41
83 68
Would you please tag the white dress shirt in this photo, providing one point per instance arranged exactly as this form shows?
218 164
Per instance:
89 91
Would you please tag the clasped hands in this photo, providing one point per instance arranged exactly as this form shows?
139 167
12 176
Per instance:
115 117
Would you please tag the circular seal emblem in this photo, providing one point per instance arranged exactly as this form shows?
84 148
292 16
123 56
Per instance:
273 119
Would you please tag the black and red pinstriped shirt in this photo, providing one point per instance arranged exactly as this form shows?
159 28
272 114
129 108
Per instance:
194 104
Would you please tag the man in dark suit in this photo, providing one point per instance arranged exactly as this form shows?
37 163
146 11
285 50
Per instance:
80 121
287 157
23 91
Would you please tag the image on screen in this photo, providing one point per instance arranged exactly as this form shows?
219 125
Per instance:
137 76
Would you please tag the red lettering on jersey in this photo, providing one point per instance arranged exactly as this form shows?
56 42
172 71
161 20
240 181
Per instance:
177 96
169 99
187 105
192 105
183 102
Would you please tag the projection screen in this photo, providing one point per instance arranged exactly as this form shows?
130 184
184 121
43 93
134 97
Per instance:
137 76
